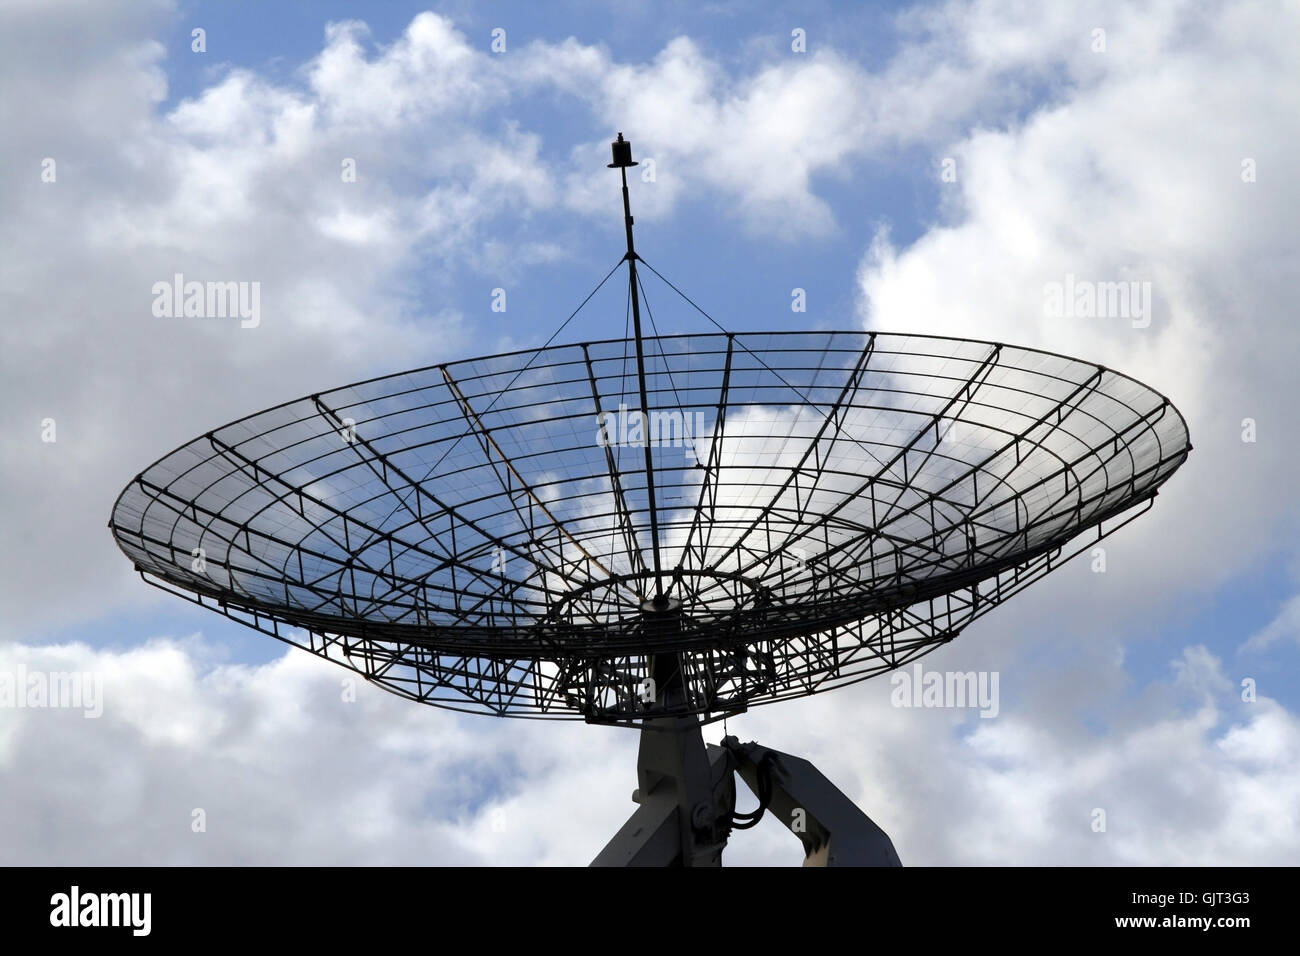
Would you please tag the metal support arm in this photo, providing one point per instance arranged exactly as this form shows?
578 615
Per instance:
687 800
834 832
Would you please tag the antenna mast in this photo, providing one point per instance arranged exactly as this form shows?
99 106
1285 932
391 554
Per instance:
622 155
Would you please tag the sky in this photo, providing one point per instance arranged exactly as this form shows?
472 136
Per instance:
920 168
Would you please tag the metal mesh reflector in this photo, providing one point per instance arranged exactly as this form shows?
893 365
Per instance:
477 534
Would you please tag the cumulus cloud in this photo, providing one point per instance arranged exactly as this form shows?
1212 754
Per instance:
287 767
1191 775
294 762
1132 171
243 182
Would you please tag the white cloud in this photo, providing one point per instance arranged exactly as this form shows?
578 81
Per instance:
280 763
1195 778
285 769
1133 172
243 182
1285 625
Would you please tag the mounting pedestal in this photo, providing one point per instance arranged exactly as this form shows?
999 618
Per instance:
685 794
687 802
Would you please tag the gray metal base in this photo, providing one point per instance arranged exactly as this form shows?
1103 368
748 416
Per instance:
687 799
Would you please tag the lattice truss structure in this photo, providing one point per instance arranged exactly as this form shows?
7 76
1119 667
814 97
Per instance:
829 505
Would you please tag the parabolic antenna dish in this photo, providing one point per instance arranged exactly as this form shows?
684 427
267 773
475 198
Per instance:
819 507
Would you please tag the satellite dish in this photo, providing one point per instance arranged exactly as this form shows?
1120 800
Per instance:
658 531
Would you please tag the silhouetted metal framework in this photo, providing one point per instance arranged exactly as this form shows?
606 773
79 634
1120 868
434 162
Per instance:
480 535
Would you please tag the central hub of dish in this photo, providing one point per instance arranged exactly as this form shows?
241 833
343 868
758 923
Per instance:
663 604
629 604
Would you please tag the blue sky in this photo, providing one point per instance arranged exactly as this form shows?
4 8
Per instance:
747 278
775 170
